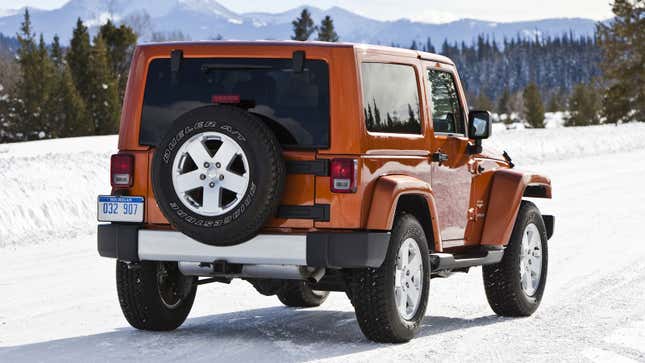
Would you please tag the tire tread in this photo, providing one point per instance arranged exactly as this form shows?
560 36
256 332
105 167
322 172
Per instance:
501 281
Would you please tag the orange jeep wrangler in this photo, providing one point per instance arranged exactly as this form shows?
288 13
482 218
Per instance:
308 167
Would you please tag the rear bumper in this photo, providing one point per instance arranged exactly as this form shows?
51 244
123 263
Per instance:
357 249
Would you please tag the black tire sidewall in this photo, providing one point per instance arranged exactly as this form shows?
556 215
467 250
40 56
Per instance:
528 214
141 302
408 227
266 175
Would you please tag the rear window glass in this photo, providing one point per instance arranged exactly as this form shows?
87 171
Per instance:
390 98
294 104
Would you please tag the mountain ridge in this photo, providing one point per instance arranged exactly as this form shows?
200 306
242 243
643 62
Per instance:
207 19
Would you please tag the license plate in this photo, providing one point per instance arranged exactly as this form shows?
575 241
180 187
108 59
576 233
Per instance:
114 208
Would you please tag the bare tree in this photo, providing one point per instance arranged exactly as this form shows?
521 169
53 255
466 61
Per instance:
9 73
112 8
141 23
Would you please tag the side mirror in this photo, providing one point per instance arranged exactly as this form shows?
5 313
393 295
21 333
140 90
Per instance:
479 125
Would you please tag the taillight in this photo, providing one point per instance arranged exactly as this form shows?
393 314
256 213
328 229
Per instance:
344 175
121 170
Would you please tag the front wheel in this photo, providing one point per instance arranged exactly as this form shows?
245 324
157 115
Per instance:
514 286
390 301
154 295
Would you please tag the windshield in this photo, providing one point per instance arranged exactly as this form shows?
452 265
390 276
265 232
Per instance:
295 105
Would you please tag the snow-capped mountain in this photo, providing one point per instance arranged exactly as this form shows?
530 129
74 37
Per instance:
205 19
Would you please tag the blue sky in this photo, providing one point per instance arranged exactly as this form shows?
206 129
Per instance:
423 10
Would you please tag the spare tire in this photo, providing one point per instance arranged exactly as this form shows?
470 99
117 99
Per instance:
218 175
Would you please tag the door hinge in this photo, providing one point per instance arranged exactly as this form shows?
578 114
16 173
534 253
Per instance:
439 157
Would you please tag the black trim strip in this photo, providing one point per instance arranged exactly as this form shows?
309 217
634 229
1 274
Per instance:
119 241
318 212
298 60
314 167
347 249
176 55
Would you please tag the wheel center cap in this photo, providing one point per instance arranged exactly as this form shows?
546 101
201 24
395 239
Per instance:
212 173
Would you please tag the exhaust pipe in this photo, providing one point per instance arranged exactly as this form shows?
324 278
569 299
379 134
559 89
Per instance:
281 272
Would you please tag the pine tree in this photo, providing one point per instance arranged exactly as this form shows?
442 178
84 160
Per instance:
46 72
66 108
56 52
103 102
429 47
584 106
554 103
483 102
623 64
120 42
29 119
577 105
22 120
616 104
502 105
303 26
533 107
326 32
78 59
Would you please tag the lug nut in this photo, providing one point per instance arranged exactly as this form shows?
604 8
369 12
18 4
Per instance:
218 165
221 177
202 176
207 165
211 184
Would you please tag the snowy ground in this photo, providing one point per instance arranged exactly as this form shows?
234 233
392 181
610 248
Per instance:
59 301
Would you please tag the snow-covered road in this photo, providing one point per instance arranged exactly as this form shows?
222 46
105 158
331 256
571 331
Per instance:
59 300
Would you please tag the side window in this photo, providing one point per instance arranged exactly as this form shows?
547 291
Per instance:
390 98
447 115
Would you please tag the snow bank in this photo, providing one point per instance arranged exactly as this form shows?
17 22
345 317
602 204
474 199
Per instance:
49 187
532 146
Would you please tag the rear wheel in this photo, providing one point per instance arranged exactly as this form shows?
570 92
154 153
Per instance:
514 286
299 294
390 301
154 295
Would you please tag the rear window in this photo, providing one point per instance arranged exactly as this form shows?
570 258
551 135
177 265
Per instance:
294 104
390 98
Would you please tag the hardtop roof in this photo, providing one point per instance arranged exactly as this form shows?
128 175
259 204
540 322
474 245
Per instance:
369 48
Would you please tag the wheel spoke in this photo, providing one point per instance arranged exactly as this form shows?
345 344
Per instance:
188 181
535 266
198 153
227 151
212 200
402 302
233 182
404 253
415 264
413 295
398 277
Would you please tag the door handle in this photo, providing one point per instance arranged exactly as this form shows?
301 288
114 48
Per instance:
439 157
